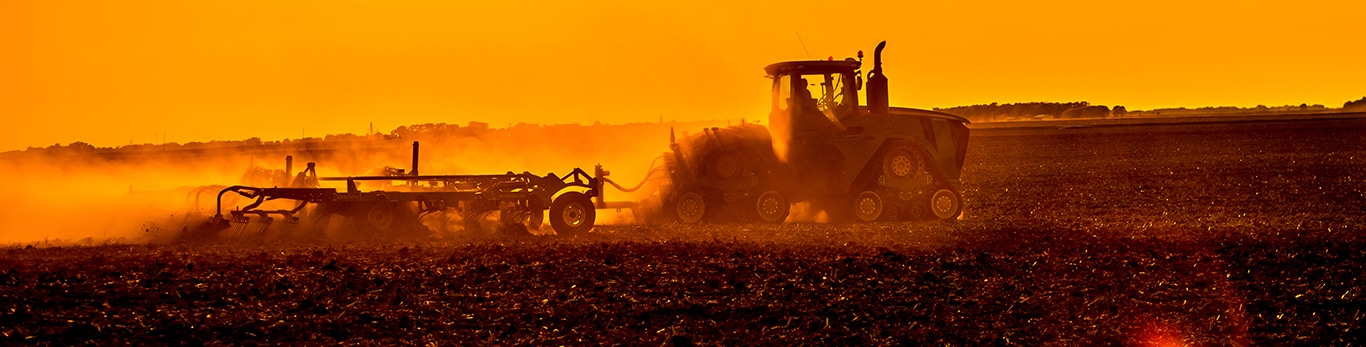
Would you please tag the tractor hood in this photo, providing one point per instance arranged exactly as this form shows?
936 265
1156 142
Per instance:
915 112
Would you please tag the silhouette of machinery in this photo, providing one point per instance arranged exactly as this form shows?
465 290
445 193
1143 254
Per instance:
865 163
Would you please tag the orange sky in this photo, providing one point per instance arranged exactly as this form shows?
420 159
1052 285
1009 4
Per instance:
114 72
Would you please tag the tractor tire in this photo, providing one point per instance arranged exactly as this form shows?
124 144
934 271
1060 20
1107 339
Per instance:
572 213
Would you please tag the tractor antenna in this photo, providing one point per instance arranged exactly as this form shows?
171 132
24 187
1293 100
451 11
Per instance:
799 39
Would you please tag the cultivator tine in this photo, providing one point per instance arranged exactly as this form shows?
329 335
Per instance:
262 225
240 226
245 226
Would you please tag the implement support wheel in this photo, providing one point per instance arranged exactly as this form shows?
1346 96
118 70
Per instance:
572 214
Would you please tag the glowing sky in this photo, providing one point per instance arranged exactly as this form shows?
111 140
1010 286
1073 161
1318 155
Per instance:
117 72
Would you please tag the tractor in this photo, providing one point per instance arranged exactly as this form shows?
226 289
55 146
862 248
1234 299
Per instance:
864 163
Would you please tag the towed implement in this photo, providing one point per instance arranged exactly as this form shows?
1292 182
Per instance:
518 201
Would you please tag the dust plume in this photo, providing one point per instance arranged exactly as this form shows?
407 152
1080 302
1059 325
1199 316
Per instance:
82 194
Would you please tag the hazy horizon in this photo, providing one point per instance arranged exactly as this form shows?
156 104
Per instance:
134 72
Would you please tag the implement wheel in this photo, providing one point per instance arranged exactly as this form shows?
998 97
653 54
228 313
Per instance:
690 207
572 214
773 207
868 206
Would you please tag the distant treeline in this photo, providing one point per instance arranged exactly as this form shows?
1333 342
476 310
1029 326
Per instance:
1081 109
440 133
433 135
1032 110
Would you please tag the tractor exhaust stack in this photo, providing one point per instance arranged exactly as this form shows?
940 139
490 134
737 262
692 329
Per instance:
877 84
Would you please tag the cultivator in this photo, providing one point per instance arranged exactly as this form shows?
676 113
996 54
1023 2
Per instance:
516 201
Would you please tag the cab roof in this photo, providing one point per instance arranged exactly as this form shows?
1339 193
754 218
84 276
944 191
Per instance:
812 67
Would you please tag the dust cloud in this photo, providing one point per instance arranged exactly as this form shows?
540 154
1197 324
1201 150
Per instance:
145 193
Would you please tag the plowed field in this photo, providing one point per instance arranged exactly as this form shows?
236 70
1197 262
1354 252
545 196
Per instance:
1209 234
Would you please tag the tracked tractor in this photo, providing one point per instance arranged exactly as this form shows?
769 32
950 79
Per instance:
866 163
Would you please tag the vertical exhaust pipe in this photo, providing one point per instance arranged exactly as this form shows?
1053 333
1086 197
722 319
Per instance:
289 170
413 172
877 84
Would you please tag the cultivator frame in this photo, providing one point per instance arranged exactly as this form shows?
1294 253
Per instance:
519 198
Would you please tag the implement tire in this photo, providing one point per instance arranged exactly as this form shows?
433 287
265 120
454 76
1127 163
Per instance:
572 213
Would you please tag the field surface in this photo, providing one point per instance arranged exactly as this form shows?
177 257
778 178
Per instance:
1170 234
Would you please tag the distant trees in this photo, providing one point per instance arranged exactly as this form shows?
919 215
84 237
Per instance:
1098 111
1356 105
1083 110
997 112
439 130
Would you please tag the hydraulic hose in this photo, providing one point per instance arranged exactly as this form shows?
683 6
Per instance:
642 181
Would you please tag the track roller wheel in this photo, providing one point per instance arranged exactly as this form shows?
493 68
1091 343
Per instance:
773 207
945 204
868 206
572 213
690 207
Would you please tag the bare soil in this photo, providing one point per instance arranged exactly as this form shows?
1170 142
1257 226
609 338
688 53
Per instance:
1209 234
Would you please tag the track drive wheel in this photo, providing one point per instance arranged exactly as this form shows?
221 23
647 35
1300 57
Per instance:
902 162
945 204
868 206
690 207
572 213
773 207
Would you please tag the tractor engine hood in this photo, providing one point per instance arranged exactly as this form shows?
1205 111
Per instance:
915 112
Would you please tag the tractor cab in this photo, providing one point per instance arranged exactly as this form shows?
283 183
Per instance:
820 98
814 97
